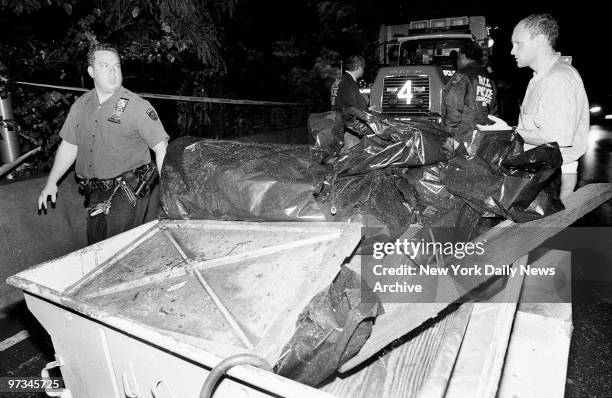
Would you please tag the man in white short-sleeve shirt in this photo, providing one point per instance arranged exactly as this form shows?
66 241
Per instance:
555 107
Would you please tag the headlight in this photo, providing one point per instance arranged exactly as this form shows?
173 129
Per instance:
595 109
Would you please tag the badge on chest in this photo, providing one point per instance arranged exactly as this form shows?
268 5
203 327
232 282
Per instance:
115 117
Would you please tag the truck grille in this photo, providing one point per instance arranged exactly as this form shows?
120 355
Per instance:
419 102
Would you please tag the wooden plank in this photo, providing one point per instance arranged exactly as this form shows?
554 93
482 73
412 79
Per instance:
549 296
369 381
537 357
409 368
481 358
437 380
410 375
536 362
510 242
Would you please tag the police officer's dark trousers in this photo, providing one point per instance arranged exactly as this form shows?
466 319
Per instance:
122 215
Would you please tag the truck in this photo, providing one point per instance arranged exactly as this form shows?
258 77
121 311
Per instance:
417 61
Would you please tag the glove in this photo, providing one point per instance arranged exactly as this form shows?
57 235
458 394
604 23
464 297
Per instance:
498 124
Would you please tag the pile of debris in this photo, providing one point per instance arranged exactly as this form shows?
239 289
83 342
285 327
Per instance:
384 173
396 175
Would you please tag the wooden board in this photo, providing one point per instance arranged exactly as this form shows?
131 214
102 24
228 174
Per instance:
511 241
421 363
536 362
481 358
240 285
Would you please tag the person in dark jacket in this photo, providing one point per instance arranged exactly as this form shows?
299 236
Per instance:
470 95
345 91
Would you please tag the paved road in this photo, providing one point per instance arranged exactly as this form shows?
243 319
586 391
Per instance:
590 366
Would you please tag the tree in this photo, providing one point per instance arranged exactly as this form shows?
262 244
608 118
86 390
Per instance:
159 37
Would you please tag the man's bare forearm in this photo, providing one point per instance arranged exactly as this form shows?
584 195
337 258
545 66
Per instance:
64 158
160 153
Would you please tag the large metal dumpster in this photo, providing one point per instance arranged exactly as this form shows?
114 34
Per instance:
129 316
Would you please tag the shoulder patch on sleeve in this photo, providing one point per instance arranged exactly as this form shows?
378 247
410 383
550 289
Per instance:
152 114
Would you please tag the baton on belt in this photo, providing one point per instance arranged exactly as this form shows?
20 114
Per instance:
146 182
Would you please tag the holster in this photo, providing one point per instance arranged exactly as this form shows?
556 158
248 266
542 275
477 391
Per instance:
141 180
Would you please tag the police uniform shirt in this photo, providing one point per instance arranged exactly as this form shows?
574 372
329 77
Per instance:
112 137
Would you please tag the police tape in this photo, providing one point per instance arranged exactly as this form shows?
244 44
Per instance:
173 97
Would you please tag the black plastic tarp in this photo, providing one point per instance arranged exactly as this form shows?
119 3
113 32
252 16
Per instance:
227 180
212 180
326 129
381 201
493 174
330 330
388 143
432 197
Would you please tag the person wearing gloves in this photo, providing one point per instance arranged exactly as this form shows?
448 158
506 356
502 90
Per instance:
555 107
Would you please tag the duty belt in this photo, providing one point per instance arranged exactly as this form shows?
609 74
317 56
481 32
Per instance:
134 183
98 184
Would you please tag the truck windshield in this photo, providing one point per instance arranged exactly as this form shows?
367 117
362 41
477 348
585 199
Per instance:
442 52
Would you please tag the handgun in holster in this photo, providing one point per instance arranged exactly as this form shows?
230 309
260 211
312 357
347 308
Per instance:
146 182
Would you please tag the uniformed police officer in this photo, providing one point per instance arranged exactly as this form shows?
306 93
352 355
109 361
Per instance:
108 133
470 95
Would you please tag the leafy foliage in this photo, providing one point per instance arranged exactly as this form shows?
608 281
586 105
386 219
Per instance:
165 36
216 48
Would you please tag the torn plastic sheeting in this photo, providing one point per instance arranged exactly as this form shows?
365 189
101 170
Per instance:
226 180
378 200
493 146
390 143
433 199
493 174
326 129
458 225
538 172
330 330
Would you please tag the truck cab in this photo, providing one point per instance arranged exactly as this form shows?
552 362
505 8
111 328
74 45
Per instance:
417 63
